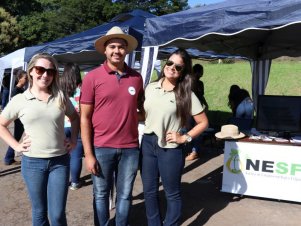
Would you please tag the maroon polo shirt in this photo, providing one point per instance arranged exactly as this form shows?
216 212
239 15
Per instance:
115 119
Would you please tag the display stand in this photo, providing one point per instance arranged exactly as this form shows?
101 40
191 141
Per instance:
262 169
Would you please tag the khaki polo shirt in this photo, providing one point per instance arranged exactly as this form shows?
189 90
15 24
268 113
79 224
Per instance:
43 122
160 108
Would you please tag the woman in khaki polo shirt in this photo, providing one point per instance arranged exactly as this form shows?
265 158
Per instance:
169 104
45 161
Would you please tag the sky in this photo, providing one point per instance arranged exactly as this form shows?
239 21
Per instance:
192 3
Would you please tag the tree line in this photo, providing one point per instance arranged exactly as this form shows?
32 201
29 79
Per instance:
31 22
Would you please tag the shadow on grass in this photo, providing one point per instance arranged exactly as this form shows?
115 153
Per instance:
218 118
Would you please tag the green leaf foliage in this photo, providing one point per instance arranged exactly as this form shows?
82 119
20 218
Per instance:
157 7
42 21
20 7
9 31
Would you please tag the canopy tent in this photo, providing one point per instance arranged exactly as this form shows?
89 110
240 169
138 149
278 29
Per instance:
260 30
79 48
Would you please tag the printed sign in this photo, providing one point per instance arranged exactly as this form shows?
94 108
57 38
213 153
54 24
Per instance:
262 170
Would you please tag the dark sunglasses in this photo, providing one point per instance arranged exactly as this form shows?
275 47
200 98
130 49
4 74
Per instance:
41 70
177 67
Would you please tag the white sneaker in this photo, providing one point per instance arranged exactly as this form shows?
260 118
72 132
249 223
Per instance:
75 186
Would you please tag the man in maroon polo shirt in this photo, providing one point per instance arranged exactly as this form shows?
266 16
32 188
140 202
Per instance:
111 97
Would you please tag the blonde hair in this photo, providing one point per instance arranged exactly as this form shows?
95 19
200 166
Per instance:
54 87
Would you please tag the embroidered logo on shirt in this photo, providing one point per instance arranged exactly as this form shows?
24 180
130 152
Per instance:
132 90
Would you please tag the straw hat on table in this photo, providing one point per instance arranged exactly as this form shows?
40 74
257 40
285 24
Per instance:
229 132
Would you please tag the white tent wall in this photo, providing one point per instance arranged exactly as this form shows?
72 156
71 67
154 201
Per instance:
260 76
12 61
1 74
148 59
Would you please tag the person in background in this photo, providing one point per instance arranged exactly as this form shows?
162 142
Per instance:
198 89
245 108
45 160
169 104
240 102
110 97
21 79
198 85
242 108
71 82
233 98
5 91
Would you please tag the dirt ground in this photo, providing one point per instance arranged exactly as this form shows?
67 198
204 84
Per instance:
203 203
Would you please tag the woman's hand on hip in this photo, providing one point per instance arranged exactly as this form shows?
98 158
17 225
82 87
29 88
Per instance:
25 144
174 137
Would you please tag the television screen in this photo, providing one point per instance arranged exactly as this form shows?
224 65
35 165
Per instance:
278 113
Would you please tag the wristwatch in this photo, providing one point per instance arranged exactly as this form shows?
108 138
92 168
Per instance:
188 138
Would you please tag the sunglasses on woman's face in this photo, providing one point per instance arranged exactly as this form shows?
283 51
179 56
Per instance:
41 70
177 67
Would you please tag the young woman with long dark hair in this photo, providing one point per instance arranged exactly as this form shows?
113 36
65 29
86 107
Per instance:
169 104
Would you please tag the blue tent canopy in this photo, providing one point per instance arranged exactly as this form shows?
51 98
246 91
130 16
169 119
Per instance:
260 30
79 48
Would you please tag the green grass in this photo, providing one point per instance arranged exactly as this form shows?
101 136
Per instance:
285 79
218 78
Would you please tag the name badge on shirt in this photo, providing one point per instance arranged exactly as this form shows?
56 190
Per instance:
132 90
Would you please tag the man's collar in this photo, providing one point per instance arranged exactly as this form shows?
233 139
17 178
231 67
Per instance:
110 71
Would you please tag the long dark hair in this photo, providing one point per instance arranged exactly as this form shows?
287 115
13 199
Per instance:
20 74
182 89
70 79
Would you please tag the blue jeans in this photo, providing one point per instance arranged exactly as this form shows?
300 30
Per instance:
197 141
124 163
47 184
18 132
196 144
76 157
167 163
